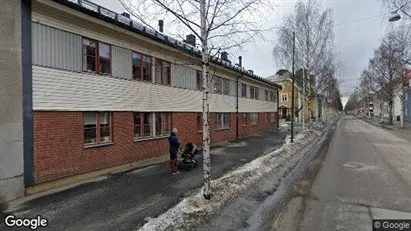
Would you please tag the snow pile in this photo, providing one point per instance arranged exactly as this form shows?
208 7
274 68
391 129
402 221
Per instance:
192 210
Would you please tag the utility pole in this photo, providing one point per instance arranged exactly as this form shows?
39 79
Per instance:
292 93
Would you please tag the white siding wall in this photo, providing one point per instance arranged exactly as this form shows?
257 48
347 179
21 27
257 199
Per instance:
121 62
71 91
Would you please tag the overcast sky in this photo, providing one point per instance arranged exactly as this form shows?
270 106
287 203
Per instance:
359 27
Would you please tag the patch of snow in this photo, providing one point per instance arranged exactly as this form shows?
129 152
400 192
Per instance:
188 213
284 125
141 170
239 144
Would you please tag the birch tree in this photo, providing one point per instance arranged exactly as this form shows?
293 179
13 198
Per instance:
314 45
219 25
384 73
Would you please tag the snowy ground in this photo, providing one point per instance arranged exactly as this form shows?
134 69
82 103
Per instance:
189 213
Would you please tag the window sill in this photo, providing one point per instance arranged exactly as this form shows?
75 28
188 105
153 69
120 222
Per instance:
150 138
98 145
221 129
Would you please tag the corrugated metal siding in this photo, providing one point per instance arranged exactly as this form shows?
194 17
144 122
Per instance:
261 94
56 48
70 91
121 62
233 86
184 77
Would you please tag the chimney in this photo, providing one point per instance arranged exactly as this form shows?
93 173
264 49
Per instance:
191 39
224 55
240 61
125 14
161 25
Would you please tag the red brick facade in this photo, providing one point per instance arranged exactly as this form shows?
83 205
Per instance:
59 150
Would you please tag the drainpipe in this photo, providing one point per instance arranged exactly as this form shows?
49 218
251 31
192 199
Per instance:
278 106
236 115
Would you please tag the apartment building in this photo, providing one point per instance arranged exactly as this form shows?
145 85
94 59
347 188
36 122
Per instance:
101 90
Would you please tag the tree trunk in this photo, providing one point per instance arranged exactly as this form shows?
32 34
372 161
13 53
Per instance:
206 126
390 118
303 100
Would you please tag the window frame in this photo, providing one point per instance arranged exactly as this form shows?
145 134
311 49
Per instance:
98 129
165 80
256 93
244 119
218 85
223 125
243 90
266 117
256 122
164 131
272 117
252 92
142 63
286 97
267 95
97 56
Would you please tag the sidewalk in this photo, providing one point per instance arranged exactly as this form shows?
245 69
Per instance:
124 200
395 128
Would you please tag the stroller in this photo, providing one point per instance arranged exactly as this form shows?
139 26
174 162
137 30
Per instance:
188 157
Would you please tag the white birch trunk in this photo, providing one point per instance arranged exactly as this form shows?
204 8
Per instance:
206 126
303 96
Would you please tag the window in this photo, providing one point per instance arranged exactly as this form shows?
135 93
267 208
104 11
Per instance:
272 117
273 96
147 68
284 97
199 80
148 125
244 120
137 62
244 90
199 122
217 85
222 121
252 92
96 57
162 71
97 127
162 124
254 118
226 86
89 55
266 116
266 95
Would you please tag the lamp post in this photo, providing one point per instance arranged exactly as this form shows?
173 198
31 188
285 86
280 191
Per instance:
292 93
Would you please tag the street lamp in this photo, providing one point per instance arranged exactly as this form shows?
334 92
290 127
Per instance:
292 93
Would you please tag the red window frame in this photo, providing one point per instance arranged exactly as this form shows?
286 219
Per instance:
142 63
252 92
225 86
97 56
244 90
165 124
272 117
266 95
164 78
252 118
98 128
165 121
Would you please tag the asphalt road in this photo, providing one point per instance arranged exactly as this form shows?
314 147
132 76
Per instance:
366 175
123 201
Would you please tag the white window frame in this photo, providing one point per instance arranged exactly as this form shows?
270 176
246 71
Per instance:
282 97
254 118
220 124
